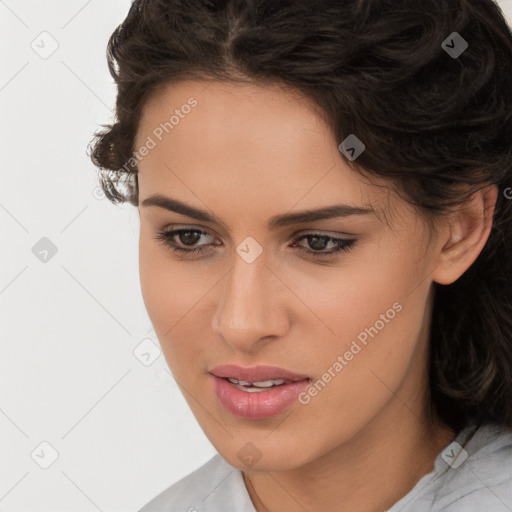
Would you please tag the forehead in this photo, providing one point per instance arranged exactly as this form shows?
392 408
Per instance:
246 140
250 111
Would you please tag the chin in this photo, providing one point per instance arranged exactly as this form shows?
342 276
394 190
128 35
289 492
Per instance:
259 457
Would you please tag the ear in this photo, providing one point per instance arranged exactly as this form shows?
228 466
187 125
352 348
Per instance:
465 235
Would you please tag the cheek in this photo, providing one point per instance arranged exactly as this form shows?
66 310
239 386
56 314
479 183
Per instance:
164 288
172 297
341 302
373 314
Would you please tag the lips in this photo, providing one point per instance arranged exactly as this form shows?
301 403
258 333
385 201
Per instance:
256 373
256 392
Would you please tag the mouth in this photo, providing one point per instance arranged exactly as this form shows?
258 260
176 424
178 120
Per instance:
257 392
257 374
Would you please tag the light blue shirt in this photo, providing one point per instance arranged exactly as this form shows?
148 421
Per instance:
473 473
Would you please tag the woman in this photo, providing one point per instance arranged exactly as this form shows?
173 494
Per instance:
325 251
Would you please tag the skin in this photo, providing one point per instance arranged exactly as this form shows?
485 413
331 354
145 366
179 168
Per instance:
248 152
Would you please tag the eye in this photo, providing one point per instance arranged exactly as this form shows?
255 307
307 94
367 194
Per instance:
319 241
188 238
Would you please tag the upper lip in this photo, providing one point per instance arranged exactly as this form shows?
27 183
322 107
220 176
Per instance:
255 373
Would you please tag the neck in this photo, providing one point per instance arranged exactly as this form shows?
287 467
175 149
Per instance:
379 465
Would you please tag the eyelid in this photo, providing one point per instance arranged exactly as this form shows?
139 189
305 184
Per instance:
298 232
189 227
326 232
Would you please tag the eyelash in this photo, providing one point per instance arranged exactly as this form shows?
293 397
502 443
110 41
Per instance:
166 238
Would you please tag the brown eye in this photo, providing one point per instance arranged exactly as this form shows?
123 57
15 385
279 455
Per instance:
185 237
319 242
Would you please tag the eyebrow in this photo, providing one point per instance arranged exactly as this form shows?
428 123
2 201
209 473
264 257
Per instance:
328 212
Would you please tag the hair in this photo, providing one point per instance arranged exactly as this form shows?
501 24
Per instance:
439 127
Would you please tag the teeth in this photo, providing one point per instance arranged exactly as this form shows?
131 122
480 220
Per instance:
249 389
263 384
268 383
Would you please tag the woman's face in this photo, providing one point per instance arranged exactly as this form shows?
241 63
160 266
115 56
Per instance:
260 292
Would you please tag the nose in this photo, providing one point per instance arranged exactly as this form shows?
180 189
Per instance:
251 306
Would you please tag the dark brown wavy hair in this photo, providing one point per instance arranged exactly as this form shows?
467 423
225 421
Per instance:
439 126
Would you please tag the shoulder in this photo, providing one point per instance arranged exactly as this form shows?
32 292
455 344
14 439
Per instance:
215 486
471 474
483 481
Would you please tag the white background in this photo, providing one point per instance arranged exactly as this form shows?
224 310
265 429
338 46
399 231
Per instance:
70 323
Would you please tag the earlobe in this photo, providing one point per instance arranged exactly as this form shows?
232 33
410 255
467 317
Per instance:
465 236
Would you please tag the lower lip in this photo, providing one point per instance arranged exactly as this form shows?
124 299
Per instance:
259 404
